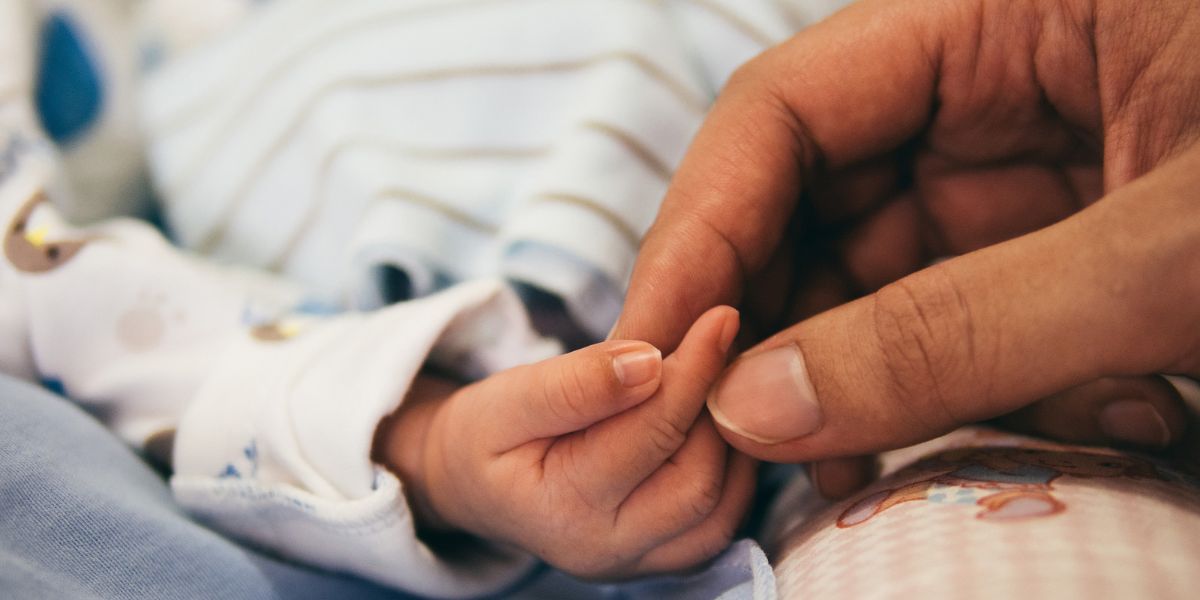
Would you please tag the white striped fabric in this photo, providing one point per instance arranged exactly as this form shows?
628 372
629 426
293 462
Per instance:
529 139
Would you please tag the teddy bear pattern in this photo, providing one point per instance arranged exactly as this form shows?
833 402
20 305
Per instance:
1007 483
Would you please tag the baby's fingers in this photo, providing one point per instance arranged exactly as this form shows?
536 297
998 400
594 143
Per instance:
712 535
564 394
683 492
615 456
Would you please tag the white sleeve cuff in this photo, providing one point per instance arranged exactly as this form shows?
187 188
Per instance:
276 447
372 537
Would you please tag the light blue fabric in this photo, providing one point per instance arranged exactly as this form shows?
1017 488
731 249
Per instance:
81 516
740 573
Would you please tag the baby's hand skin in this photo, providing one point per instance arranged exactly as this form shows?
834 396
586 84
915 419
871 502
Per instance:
600 461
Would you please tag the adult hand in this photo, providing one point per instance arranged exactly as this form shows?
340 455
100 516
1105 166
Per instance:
842 162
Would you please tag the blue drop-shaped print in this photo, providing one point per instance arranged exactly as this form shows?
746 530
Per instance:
55 385
69 90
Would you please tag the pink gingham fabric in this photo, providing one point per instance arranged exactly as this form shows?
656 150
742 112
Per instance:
1078 523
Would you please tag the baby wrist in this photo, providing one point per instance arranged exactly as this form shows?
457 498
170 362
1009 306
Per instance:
402 446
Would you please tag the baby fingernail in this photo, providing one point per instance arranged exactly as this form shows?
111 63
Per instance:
638 365
767 397
1136 422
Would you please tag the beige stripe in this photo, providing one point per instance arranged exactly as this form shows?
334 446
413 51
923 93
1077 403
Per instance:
737 22
634 146
315 209
439 206
619 224
197 107
213 237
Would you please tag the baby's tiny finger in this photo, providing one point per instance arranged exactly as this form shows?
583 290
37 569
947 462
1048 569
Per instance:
566 393
714 534
623 451
684 491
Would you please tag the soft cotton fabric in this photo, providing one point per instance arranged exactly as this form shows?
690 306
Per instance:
84 518
530 140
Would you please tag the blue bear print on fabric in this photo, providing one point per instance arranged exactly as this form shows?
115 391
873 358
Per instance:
250 453
69 92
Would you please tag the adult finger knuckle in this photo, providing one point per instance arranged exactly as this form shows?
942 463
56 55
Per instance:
748 74
927 339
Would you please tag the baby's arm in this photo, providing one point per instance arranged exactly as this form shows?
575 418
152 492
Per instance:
272 419
601 461
271 411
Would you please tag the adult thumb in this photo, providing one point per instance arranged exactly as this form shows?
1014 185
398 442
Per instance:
973 337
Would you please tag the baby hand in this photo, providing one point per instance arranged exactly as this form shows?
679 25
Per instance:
599 462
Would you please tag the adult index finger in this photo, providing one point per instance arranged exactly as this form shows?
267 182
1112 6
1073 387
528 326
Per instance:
855 86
